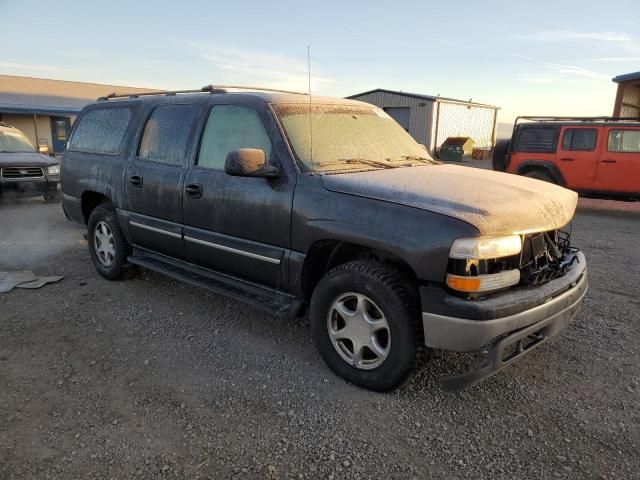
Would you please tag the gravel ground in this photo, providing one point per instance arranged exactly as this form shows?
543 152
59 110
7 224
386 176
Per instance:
150 378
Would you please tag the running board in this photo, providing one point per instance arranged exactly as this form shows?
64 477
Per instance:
273 301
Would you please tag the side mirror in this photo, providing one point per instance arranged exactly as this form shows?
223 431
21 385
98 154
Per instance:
249 162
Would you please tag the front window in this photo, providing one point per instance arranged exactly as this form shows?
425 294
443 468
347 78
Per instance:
330 138
624 141
12 141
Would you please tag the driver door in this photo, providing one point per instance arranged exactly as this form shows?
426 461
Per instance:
237 225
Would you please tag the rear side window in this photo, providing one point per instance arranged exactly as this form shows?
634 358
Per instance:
579 139
166 134
536 139
624 141
101 130
231 127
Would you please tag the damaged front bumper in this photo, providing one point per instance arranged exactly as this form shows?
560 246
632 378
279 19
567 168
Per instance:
512 323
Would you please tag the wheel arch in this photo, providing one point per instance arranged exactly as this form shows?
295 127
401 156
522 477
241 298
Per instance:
543 166
323 255
89 200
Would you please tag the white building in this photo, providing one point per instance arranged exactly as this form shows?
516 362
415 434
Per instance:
431 120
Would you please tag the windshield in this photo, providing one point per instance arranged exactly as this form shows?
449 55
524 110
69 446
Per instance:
12 141
347 137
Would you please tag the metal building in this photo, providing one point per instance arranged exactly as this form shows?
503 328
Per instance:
431 120
628 95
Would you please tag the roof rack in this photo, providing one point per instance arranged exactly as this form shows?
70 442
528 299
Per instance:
578 119
206 89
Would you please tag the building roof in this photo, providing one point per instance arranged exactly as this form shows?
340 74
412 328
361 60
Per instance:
430 98
627 77
52 97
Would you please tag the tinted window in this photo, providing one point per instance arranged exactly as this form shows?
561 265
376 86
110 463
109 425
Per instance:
166 133
536 139
579 139
624 141
231 127
101 130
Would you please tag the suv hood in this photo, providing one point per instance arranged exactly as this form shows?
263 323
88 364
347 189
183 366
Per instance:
25 159
495 203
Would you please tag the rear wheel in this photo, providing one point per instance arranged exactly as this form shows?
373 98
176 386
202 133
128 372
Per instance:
107 246
365 324
539 175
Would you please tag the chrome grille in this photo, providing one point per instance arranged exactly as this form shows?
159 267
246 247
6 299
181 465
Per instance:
22 172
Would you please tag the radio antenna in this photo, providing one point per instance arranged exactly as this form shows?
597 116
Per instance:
310 124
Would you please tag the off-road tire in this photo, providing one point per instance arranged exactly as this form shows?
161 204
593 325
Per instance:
539 175
107 214
398 302
499 155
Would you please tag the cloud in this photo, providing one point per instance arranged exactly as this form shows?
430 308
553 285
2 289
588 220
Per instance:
25 67
524 57
572 70
571 35
559 73
612 59
263 69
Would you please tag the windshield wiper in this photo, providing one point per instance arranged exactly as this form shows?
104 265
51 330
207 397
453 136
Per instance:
418 159
365 161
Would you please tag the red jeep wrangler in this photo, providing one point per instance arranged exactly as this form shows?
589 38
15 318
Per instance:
593 156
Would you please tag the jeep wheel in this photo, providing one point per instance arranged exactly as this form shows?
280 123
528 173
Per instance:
365 325
539 175
107 245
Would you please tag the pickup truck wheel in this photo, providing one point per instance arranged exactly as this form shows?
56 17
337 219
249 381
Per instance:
52 197
107 246
538 175
365 325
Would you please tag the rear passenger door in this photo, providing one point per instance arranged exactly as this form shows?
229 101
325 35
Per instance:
237 225
154 178
577 156
619 166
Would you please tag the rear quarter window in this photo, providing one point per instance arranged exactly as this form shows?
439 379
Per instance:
101 130
166 133
536 139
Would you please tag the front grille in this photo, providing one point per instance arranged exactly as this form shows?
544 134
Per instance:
541 258
22 172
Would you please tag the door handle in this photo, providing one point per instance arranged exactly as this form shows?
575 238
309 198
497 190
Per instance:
135 180
194 190
567 159
608 160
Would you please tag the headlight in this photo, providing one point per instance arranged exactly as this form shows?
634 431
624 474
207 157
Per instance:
53 170
483 248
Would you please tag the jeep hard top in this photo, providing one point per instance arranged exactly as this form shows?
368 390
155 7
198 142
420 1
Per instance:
597 156
292 203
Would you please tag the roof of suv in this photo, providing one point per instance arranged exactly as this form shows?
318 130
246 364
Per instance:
269 96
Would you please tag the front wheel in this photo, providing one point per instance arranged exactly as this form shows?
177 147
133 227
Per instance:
539 175
365 324
107 246
52 196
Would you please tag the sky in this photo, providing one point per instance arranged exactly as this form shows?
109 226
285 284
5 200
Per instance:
527 57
